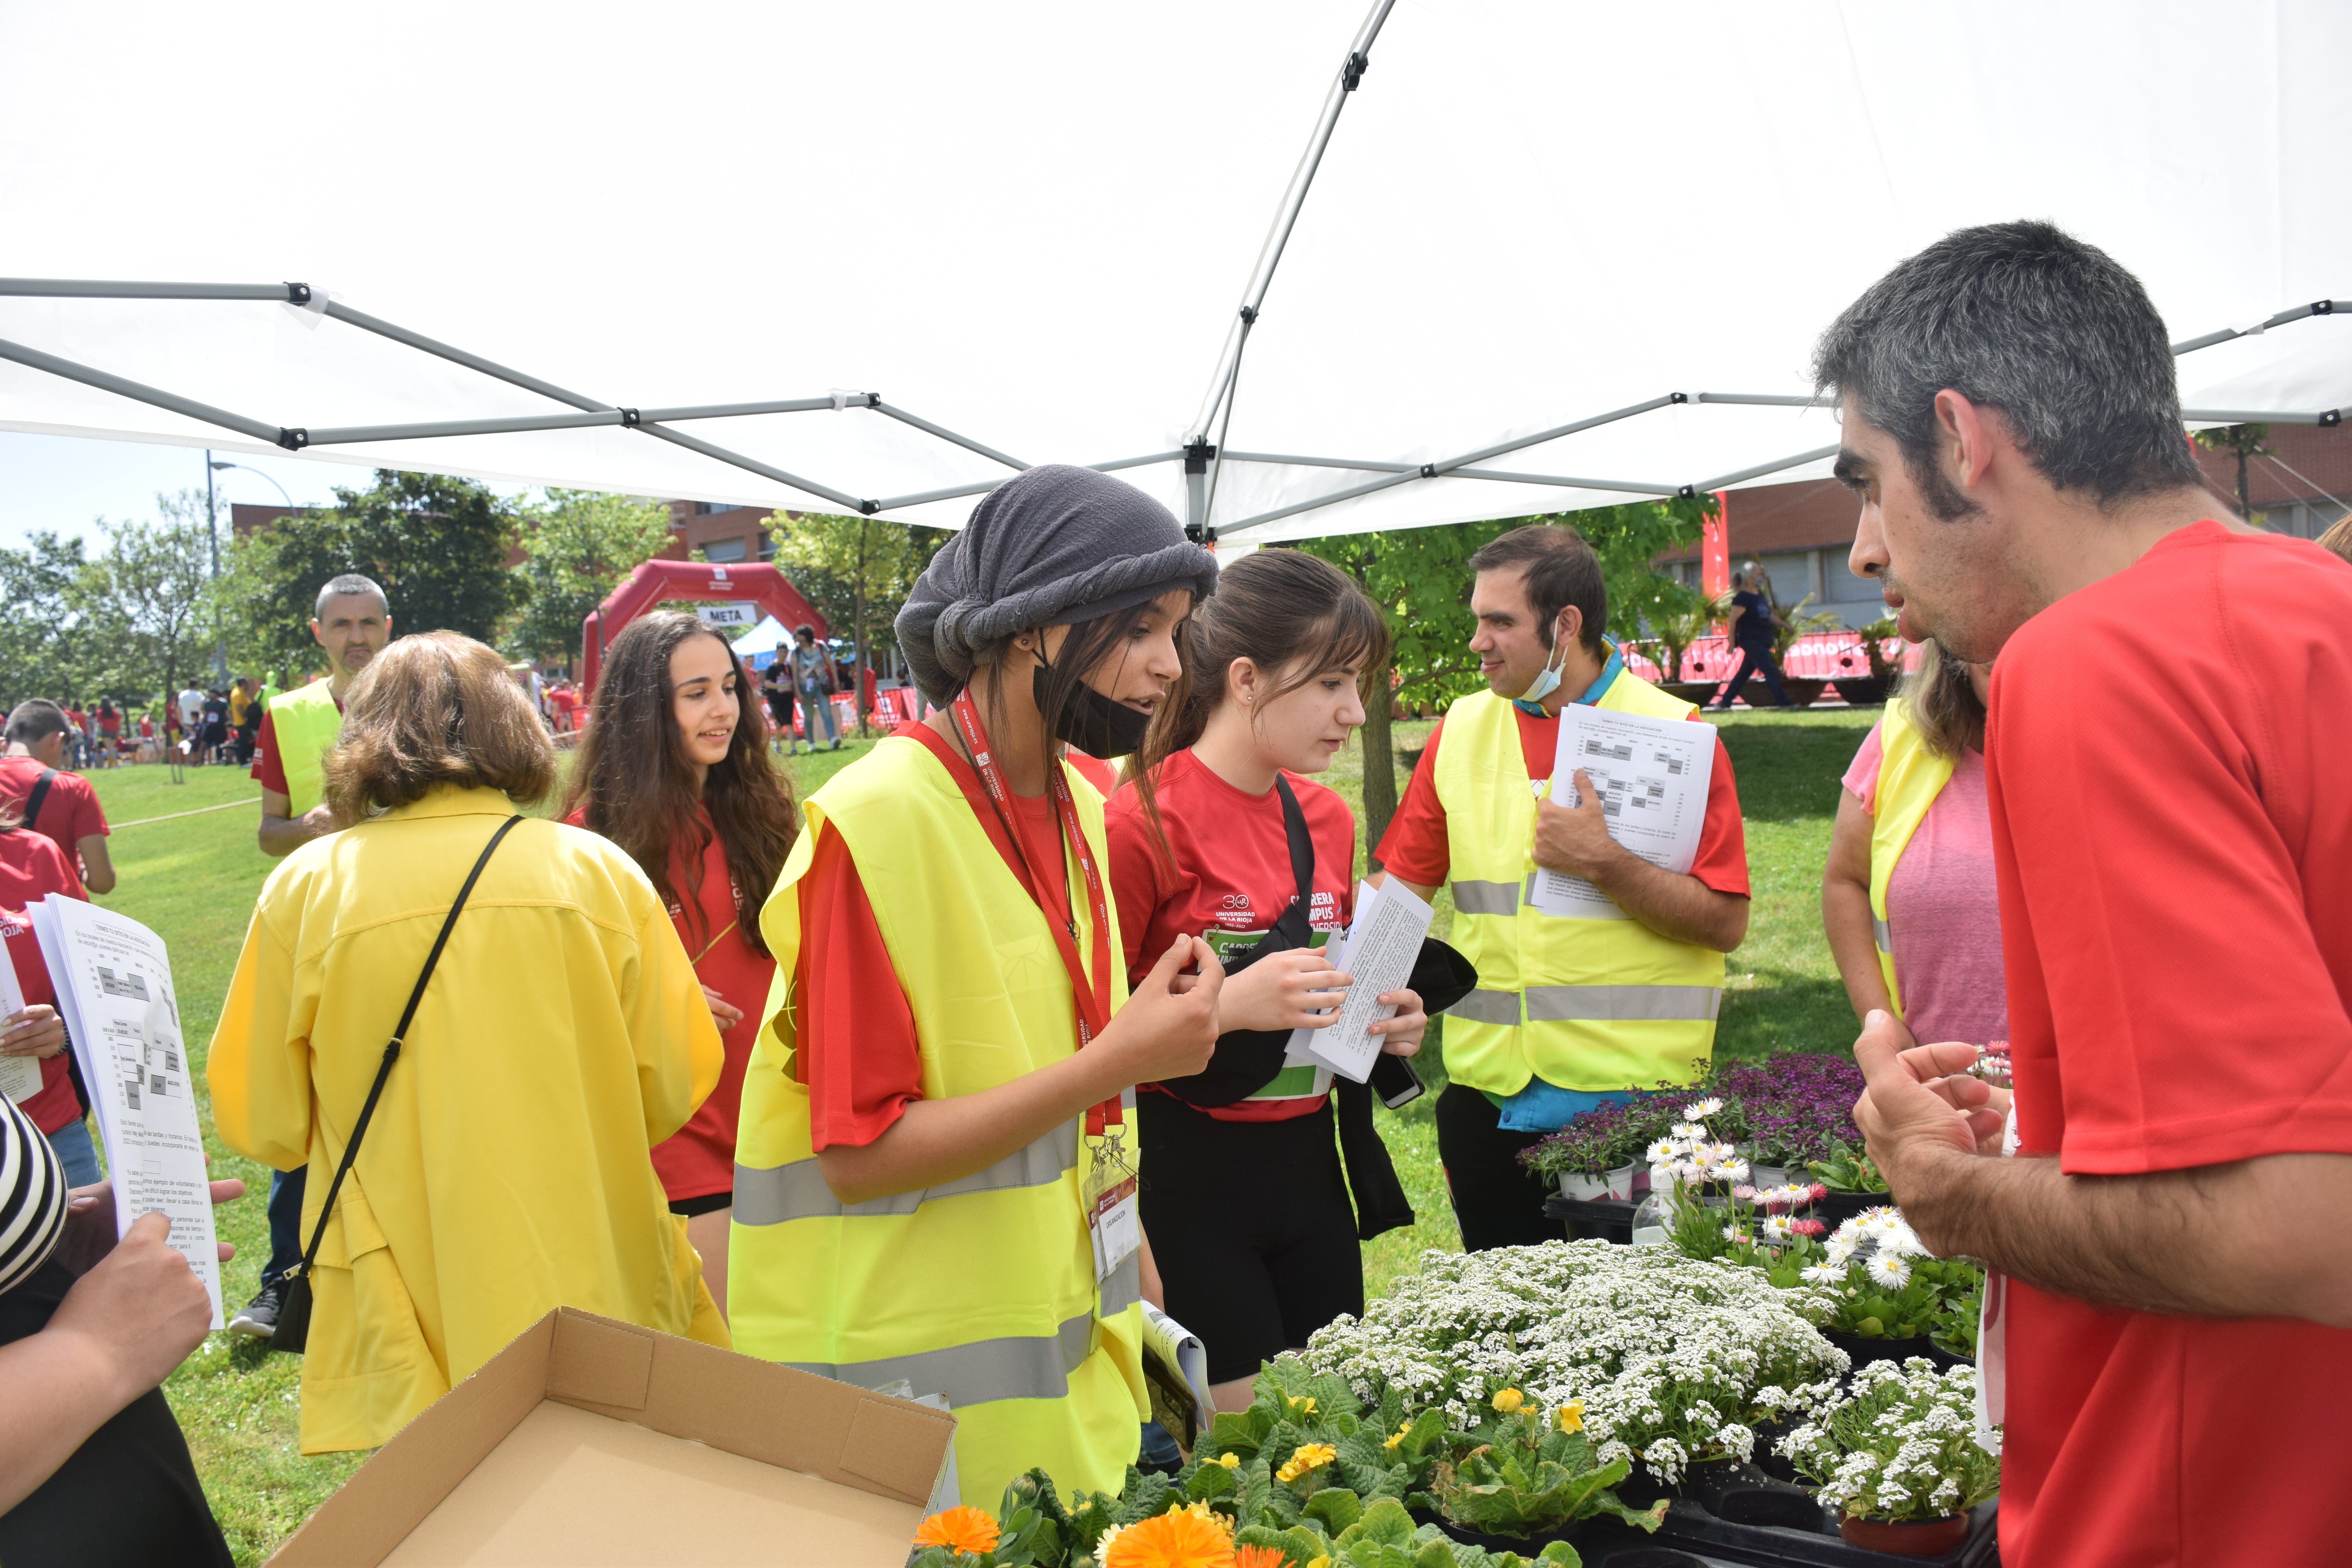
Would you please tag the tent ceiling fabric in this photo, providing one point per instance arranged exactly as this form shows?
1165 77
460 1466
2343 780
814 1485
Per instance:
1031 225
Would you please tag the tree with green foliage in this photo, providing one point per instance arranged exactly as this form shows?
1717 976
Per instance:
1421 578
147 609
2243 442
857 571
579 548
42 650
437 545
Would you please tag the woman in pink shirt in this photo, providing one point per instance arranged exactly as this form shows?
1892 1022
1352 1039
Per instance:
1928 948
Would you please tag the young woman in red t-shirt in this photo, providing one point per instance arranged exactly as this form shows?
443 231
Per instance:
31 866
1249 1216
674 770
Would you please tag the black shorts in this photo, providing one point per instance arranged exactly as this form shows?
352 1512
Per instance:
1251 1227
1497 1202
703 1204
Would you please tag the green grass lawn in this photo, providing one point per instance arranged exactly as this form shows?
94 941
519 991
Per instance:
193 879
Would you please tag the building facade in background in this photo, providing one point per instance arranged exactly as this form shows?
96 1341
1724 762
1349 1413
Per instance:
1801 533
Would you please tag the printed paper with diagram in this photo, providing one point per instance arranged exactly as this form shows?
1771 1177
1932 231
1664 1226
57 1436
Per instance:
114 987
20 1077
1651 776
1378 952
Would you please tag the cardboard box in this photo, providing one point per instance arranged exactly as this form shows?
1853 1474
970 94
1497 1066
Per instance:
589 1441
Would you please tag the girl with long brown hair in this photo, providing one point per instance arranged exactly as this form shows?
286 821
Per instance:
1249 1217
674 770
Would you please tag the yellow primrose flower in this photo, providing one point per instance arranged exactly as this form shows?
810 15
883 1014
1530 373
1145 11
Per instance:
1306 1457
1305 1403
1231 1461
1571 1415
1509 1401
1319 1562
1401 1433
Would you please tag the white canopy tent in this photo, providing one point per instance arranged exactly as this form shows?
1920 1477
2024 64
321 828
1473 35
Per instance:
928 244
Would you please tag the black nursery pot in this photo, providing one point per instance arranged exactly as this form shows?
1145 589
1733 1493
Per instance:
1862 1352
1527 1546
1738 1492
1834 1209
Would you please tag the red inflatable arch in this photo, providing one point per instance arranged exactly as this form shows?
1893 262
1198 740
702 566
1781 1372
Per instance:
657 582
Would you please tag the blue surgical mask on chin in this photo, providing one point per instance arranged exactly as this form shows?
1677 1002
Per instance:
1546 682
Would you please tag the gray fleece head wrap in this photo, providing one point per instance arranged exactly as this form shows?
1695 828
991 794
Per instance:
1053 546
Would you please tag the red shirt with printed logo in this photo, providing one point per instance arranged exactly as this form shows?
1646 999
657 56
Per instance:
1227 875
33 868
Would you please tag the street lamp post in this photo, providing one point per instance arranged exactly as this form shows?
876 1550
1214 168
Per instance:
211 539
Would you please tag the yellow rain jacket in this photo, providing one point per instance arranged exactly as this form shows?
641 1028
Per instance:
507 1169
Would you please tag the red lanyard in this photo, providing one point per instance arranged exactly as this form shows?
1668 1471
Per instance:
1092 996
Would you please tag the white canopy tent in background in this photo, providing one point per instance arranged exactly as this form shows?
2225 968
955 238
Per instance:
1032 226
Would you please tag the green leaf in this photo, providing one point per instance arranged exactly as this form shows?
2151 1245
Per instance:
1385 1521
1211 1480
1337 1506
1256 1491
1562 1554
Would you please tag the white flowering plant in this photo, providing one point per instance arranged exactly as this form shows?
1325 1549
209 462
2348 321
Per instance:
1674 1360
1902 1445
1884 1282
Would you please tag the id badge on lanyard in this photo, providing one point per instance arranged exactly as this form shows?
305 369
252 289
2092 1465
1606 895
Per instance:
1113 1215
1107 1192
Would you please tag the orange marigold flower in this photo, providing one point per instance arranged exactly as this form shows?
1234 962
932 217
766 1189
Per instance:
1181 1537
961 1529
1259 1557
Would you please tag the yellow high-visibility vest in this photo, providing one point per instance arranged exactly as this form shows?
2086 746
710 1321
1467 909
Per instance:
982 1290
1910 776
1588 1004
306 722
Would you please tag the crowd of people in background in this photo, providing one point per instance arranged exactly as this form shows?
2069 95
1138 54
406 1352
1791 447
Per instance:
785 1065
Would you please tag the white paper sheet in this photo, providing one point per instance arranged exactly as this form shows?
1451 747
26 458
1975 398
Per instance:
20 1077
114 987
1378 953
1651 776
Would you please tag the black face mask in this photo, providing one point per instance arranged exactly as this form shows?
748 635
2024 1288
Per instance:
1091 721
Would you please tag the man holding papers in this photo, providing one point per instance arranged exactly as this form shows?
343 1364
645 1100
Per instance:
1599 923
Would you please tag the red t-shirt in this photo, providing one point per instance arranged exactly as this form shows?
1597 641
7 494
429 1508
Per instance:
699 1159
70 812
33 868
110 724
1231 878
856 1047
2175 857
268 769
1416 847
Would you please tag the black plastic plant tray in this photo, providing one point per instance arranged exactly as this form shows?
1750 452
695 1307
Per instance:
1599 1219
1692 1529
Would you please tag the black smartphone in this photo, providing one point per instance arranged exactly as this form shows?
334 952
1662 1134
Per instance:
1394 1082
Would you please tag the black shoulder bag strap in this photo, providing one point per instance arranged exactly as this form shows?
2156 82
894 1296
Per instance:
40 793
293 1333
1246 1060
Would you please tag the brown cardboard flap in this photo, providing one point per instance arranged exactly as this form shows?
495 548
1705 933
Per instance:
391 1493
893 1445
599 1362
794 1420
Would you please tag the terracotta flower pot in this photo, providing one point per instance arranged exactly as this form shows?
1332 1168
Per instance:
1906 1538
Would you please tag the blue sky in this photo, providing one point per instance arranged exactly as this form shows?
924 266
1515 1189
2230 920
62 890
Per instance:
64 482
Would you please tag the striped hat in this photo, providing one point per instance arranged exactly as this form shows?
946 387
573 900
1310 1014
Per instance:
32 1197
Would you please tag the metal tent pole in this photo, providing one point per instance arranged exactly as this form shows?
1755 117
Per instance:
1218 406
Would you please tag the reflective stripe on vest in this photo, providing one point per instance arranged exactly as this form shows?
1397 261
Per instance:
305 723
1590 1005
980 1288
1910 776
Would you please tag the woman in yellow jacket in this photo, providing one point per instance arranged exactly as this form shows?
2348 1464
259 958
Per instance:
506 1170
929 1195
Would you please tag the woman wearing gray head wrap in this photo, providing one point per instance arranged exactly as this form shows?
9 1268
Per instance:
923 1187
